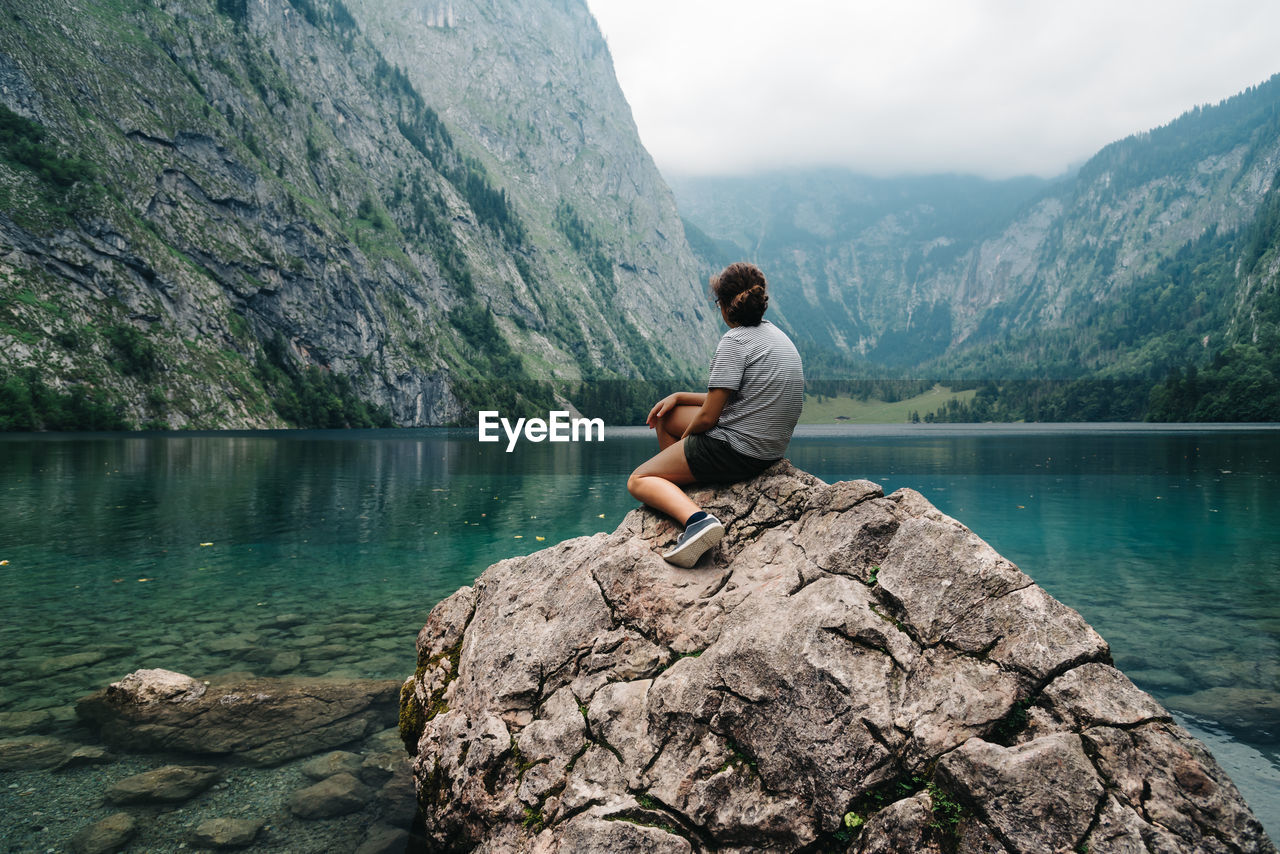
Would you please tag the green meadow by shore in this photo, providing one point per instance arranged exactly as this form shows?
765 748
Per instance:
821 409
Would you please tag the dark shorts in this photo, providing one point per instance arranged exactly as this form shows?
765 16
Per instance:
715 461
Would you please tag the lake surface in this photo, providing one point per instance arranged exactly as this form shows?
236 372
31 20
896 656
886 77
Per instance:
182 551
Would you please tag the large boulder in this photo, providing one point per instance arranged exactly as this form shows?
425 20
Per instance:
848 671
257 721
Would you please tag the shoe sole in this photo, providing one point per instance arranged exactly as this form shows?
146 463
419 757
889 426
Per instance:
687 555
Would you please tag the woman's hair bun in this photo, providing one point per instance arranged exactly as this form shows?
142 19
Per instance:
742 290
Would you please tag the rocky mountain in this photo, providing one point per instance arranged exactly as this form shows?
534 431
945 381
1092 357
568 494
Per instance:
1131 265
234 213
840 249
847 671
529 89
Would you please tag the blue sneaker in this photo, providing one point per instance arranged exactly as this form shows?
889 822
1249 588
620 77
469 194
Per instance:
695 540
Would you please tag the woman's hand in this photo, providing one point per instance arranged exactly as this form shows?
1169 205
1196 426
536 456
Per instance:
661 408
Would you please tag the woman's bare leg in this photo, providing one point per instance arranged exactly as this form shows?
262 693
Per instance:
657 481
671 426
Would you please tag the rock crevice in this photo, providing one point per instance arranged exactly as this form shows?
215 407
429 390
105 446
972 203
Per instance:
848 671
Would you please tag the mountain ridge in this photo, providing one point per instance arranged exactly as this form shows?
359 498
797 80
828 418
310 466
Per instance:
1045 294
278 228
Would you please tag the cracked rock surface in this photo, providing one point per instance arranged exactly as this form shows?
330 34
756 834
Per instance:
848 671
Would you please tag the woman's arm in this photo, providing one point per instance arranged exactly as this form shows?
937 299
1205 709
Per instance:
671 401
712 405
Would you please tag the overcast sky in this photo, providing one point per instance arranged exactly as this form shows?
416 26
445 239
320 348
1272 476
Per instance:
990 87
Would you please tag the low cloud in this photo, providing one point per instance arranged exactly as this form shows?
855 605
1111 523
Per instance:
990 88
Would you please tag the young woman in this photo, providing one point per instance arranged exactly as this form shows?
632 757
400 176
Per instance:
738 428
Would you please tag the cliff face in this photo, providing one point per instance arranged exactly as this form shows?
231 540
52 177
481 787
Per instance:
200 201
849 671
529 89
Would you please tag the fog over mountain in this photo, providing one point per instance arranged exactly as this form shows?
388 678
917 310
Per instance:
1158 255
922 86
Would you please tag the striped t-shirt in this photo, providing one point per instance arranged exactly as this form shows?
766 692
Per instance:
762 366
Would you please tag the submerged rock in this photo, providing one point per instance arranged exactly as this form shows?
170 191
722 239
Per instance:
383 839
75 660
259 721
25 723
338 795
337 762
106 836
849 671
30 752
87 754
1251 712
222 833
171 784
284 662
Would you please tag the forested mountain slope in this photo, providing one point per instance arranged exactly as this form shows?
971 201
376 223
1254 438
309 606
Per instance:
845 253
233 213
1153 256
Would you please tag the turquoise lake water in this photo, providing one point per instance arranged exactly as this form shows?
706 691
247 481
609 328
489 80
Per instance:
181 550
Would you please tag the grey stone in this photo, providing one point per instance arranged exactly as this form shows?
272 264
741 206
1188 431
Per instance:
1097 695
1119 831
167 785
384 757
376 768
384 839
596 778
88 754
106 836
1252 712
1041 795
397 801
953 588
647 832
331 652
28 752
261 721
388 739
226 832
240 642
974 837
839 644
284 662
156 686
340 794
1159 772
25 723
337 762
901 826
